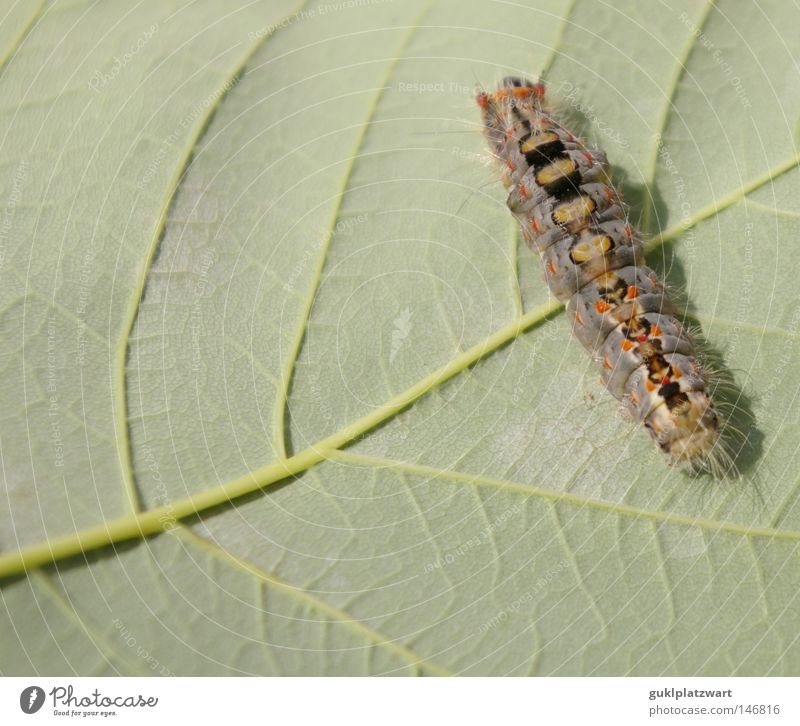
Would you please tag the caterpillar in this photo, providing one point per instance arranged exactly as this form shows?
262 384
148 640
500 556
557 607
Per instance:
593 261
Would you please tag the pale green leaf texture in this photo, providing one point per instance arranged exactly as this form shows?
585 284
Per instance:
258 243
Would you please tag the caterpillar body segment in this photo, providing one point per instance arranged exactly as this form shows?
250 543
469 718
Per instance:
571 215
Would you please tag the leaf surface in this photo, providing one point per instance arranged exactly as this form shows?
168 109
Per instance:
263 303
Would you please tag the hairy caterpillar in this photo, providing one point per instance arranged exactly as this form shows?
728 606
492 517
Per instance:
593 261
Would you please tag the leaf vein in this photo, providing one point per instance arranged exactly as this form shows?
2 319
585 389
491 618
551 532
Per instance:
154 521
120 403
530 490
282 400
24 32
669 95
272 580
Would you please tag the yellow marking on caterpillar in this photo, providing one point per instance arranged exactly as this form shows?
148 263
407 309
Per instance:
555 171
575 210
594 247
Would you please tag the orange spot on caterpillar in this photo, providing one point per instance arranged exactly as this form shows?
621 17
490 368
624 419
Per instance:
607 363
609 194
534 225
626 345
665 380
656 331
511 165
523 191
602 306
676 373
633 292
634 398
641 338
483 100
588 157
578 318
649 385
552 267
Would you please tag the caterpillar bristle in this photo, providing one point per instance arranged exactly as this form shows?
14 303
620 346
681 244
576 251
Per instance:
593 260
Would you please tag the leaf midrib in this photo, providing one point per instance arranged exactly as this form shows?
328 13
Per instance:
153 521
148 522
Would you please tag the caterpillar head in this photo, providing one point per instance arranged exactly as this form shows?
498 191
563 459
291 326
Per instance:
516 101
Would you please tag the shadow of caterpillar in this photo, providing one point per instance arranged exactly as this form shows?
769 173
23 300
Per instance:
593 260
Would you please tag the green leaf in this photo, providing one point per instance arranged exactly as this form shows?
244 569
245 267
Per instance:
283 392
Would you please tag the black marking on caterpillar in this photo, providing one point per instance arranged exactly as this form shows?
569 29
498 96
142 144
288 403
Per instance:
593 260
